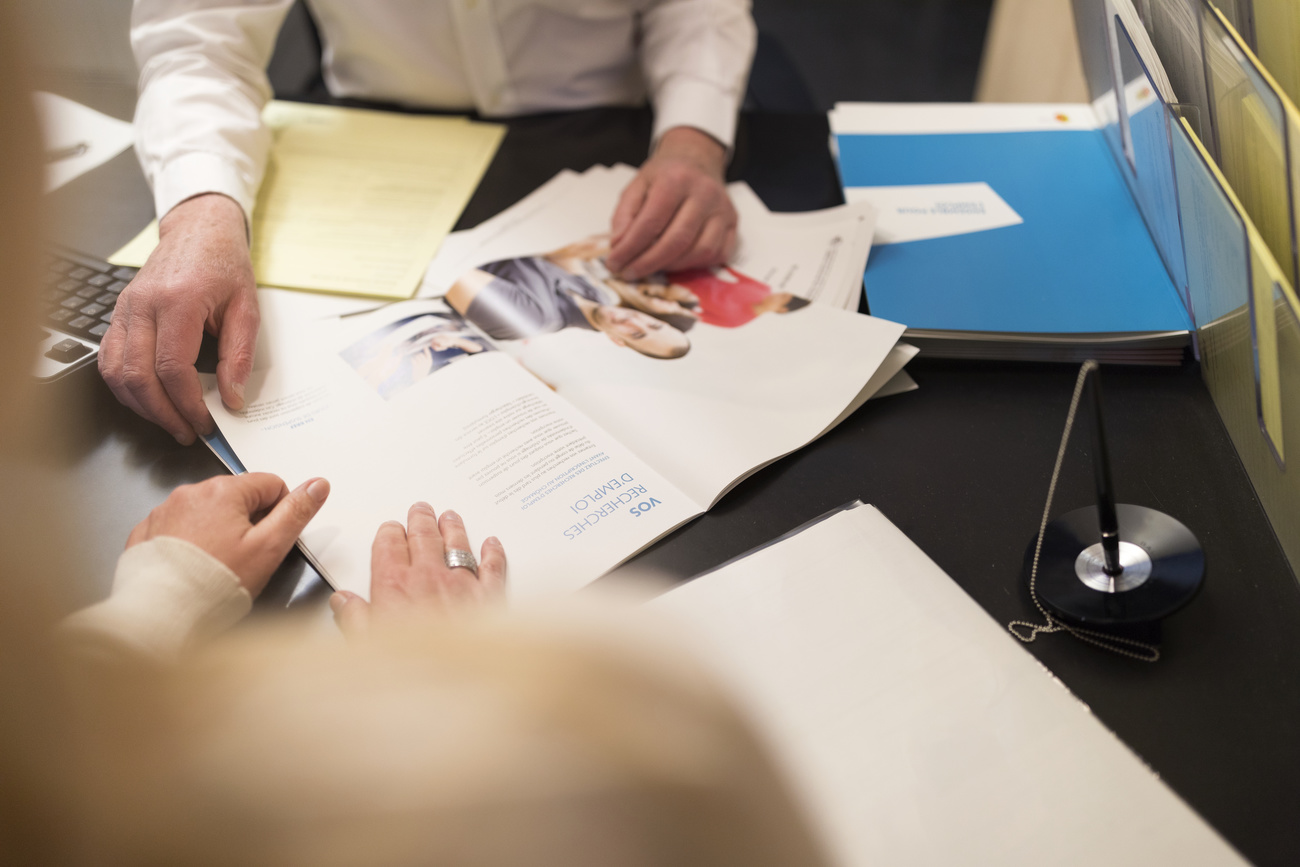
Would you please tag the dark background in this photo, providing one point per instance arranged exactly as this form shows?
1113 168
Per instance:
894 51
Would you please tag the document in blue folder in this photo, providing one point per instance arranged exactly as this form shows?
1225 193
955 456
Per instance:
1022 238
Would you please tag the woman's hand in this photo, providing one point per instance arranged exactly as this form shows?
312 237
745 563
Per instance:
409 576
249 522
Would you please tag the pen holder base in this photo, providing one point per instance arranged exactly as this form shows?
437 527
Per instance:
1164 567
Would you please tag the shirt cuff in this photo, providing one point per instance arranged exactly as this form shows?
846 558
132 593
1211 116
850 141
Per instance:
168 595
196 173
694 103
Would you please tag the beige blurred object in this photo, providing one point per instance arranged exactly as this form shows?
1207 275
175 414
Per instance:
1031 54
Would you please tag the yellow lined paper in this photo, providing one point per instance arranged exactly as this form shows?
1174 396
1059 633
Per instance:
355 201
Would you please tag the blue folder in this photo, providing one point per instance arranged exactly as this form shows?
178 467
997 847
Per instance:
1082 262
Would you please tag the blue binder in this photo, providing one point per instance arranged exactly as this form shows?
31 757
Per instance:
1081 274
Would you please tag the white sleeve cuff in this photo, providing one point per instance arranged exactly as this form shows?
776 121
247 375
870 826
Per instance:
199 172
168 595
683 101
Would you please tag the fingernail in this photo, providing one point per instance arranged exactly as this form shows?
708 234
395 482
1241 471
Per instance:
184 439
337 601
451 516
493 541
318 490
238 389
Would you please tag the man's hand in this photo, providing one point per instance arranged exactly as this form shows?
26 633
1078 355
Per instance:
200 276
410 578
249 522
676 213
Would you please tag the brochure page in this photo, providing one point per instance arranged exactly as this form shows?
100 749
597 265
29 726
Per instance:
705 374
408 403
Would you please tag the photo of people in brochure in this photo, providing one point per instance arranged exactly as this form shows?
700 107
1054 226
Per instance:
530 296
404 352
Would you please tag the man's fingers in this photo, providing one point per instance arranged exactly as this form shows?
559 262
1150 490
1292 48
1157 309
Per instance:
710 247
180 332
492 566
423 537
729 244
661 204
674 242
112 352
389 550
284 524
139 377
236 347
351 613
628 205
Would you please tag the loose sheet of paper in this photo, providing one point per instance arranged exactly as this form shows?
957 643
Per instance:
920 211
87 137
354 201
917 730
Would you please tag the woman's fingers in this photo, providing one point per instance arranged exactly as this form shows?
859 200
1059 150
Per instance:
454 535
389 552
492 567
289 517
423 536
409 574
351 613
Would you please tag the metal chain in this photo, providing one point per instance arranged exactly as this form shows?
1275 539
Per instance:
1028 632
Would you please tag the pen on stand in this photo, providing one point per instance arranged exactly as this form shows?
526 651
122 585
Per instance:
1106 514
56 155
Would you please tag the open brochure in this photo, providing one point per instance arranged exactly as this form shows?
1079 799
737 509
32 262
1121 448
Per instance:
574 416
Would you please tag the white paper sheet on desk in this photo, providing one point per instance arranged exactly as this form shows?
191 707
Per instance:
915 728
920 211
68 124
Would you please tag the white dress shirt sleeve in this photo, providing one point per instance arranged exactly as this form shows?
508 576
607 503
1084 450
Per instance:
695 55
202 88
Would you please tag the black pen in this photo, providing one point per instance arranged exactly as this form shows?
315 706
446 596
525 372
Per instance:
60 154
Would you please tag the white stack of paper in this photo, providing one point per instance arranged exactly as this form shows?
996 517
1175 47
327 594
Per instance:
818 256
916 728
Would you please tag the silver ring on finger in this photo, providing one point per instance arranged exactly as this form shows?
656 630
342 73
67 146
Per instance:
459 558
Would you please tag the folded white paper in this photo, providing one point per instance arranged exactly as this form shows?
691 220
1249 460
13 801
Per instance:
920 211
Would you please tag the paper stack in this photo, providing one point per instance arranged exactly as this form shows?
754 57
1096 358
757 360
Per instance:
915 728
816 256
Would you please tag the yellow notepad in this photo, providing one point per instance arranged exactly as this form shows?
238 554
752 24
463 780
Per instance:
1277 41
355 201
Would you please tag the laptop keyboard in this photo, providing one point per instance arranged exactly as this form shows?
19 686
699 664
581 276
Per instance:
80 294
78 299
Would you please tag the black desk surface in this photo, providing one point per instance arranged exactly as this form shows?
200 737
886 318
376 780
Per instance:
961 466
